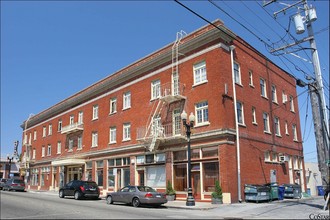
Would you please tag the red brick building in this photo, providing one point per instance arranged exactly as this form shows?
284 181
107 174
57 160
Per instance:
127 129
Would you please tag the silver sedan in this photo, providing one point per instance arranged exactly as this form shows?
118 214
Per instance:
137 195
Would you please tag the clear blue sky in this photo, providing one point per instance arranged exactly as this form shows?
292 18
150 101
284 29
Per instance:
50 50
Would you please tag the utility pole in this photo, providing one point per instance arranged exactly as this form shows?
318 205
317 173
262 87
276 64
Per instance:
319 110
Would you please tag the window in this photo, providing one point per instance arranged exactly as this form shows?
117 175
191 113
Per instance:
237 73
155 89
70 144
43 151
113 105
200 73
89 167
49 150
254 115
274 157
59 125
34 154
175 84
251 78
71 119
113 131
95 112
263 88
111 178
59 147
81 117
286 128
240 113
267 156
266 122
294 132
277 126
50 129
44 131
127 100
177 122
99 173
127 132
156 176
94 139
34 135
180 177
291 104
208 152
202 112
79 145
274 95
211 174
180 155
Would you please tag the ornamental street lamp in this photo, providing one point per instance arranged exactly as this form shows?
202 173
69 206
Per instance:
9 162
190 199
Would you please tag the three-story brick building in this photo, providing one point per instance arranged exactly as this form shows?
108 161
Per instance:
127 128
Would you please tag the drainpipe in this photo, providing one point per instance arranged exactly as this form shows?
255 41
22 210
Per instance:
232 48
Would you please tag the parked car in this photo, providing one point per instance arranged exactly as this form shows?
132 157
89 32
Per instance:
137 195
2 182
14 184
80 189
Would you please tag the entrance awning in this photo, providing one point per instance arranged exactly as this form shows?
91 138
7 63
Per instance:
68 162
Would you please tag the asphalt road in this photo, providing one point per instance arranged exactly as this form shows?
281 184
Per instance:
25 205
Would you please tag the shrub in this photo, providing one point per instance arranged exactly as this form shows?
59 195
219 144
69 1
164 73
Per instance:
218 191
169 189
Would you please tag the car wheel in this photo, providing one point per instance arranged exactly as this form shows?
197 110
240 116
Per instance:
77 195
61 194
109 200
136 202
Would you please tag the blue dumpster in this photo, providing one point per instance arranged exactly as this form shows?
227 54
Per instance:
320 191
281 190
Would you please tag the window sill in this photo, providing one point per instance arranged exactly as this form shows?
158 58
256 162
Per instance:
112 113
200 83
267 132
252 86
275 102
265 97
241 124
93 146
278 135
126 108
255 123
272 162
70 150
202 124
94 119
111 143
239 84
126 140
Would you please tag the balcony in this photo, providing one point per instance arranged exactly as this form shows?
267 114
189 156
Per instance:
72 128
172 92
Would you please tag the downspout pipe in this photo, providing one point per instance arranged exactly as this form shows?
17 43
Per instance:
232 48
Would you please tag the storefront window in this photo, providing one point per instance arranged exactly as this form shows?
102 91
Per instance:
156 176
195 153
180 177
210 152
99 172
211 174
180 155
150 158
111 162
111 178
126 177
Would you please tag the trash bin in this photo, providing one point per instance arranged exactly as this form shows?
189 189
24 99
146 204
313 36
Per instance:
320 191
256 193
273 190
281 190
292 191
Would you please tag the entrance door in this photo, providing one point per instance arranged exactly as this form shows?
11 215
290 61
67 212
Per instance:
141 177
196 184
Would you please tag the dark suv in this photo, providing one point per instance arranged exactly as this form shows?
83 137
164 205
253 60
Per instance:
80 189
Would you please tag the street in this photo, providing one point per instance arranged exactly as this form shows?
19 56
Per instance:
27 205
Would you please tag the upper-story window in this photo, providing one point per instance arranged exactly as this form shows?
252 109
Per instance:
59 147
80 117
79 143
286 128
113 105
59 126
70 144
126 132
237 74
49 150
95 112
71 119
94 139
254 115
127 100
266 122
34 154
200 73
277 126
44 131
43 151
155 89
274 95
251 78
50 129
34 135
294 132
113 134
263 88
240 113
202 113
291 104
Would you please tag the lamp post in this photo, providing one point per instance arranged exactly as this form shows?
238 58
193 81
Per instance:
9 161
190 199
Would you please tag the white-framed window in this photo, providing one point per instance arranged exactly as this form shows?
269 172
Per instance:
49 150
81 117
113 133
240 113
251 78
200 73
59 125
94 139
267 156
274 95
59 147
79 143
70 144
274 157
237 74
71 119
263 89
254 115
127 100
43 151
202 113
44 131
34 135
155 89
34 154
266 122
277 126
294 132
126 132
286 128
50 129
95 112
113 105
291 103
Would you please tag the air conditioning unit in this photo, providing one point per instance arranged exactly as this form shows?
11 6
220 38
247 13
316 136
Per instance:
282 159
284 98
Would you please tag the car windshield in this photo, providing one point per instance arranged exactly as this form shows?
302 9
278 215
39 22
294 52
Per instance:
90 184
146 189
18 181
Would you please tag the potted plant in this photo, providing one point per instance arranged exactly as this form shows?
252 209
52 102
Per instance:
170 192
217 194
